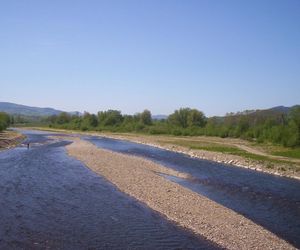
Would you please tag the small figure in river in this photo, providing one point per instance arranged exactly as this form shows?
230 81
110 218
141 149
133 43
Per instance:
27 145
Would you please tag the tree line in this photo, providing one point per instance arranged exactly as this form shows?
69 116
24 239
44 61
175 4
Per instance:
261 126
4 121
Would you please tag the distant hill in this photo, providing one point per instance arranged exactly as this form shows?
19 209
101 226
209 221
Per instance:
159 117
265 112
282 109
273 112
28 111
18 109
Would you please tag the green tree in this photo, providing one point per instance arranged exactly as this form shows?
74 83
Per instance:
90 120
146 117
186 117
63 118
110 118
196 118
4 120
179 117
294 123
242 126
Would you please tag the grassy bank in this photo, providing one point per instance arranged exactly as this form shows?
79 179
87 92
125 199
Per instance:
291 153
286 164
234 150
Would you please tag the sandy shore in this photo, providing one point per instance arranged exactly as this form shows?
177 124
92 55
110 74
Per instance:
139 178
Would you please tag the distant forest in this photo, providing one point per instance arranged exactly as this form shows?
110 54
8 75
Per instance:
275 126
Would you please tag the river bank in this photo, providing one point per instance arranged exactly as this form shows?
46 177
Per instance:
142 179
9 139
280 167
235 152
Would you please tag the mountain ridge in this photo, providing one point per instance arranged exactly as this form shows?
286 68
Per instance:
20 109
24 110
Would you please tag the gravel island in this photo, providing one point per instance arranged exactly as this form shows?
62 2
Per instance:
142 179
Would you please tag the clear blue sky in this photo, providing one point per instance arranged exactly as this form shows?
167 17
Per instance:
214 55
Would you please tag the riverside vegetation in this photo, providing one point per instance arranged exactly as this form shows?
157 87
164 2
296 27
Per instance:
8 138
262 139
5 121
271 137
270 126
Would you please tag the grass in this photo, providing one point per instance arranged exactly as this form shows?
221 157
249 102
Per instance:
240 152
222 149
293 153
279 150
214 147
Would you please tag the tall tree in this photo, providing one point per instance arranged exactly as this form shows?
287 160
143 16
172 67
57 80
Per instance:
196 118
146 117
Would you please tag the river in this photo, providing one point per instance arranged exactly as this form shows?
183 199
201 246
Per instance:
51 201
48 199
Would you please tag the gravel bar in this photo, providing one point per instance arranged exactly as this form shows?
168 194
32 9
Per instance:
141 179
